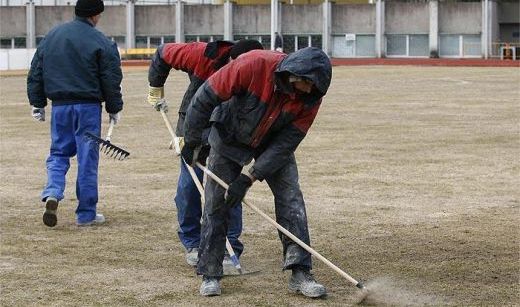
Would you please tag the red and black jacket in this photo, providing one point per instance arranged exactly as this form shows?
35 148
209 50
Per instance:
199 60
254 113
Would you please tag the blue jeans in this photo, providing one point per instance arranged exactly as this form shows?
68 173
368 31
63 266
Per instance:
68 126
189 213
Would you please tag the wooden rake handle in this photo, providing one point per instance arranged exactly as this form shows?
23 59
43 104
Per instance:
111 125
285 231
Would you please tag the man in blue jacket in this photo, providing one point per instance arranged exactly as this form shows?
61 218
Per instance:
77 67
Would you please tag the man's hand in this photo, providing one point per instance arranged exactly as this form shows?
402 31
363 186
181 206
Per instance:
156 98
38 114
188 153
237 190
115 117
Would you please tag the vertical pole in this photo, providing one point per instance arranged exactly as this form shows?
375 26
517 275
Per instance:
380 27
130 24
228 20
434 28
179 22
485 29
30 25
327 25
274 21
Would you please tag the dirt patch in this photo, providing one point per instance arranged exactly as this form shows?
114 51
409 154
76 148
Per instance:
410 176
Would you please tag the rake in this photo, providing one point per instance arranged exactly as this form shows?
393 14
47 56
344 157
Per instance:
105 146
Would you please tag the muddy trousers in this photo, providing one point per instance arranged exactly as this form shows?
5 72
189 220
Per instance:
189 213
289 210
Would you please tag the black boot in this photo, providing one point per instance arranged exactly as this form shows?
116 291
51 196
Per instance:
302 281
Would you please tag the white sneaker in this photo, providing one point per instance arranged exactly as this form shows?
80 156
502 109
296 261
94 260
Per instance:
99 220
192 256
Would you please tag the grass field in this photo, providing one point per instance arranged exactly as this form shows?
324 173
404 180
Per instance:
410 175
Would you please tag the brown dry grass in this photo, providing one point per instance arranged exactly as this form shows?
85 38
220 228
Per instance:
410 174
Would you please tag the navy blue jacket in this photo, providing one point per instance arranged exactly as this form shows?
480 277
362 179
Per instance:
76 63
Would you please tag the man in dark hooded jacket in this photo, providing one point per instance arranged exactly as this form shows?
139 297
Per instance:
260 106
199 60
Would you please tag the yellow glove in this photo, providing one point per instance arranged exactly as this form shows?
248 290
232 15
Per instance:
156 98
177 143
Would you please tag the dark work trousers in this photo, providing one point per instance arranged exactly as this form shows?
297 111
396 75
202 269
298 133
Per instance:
189 212
289 209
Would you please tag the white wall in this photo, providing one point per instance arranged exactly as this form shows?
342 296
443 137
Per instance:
11 59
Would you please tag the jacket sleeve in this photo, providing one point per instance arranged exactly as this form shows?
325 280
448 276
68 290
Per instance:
230 80
179 56
111 77
284 144
35 85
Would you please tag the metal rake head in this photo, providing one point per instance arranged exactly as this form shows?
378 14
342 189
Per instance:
107 148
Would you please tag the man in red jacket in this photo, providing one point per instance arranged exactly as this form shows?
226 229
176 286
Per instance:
260 107
199 60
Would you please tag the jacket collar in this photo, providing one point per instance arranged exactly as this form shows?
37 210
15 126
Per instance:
85 20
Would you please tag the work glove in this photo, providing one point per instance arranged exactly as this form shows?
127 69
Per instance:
115 117
38 114
177 143
189 153
156 98
237 190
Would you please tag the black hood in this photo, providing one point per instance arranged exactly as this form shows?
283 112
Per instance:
311 63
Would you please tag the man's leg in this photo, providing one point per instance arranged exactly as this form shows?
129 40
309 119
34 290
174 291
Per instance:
189 210
290 213
63 146
216 217
235 229
87 117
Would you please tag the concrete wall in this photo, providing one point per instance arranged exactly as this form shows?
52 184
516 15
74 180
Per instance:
251 19
407 18
355 18
204 19
460 17
304 19
113 20
47 17
13 20
508 12
154 20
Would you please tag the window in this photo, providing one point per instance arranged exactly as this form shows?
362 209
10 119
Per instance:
303 41
316 41
396 45
20 42
449 45
169 39
455 45
471 45
288 43
155 42
190 38
266 41
141 42
419 45
366 45
5 43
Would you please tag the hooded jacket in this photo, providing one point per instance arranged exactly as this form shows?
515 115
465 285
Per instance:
76 63
254 111
199 60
